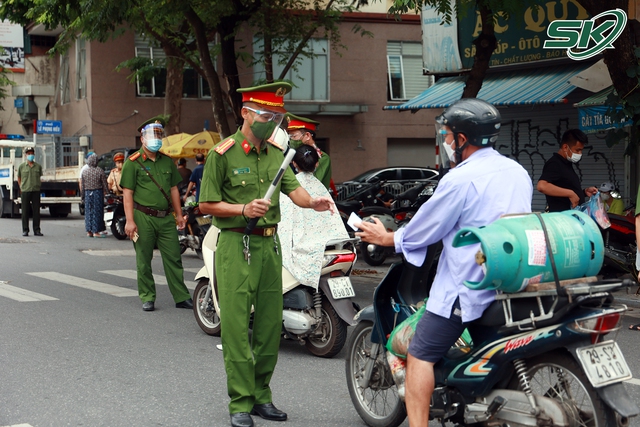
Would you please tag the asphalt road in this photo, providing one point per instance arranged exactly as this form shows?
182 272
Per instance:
85 354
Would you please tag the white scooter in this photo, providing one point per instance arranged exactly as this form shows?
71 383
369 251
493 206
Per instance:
315 316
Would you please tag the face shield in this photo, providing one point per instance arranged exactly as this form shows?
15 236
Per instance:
152 135
446 150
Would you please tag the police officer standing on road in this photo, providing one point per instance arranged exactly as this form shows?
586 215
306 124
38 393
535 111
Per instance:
149 181
237 174
29 174
303 131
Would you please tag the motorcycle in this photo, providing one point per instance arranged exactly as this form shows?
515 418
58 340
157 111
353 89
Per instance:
536 358
315 317
114 216
620 246
197 226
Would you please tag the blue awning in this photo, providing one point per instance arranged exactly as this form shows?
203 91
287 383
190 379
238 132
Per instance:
548 85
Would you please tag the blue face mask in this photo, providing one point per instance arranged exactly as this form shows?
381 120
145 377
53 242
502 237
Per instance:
154 145
31 157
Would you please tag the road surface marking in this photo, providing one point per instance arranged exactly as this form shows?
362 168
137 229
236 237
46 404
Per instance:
634 381
80 282
19 425
22 295
133 275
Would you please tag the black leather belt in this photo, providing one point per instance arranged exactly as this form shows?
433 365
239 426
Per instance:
152 212
258 231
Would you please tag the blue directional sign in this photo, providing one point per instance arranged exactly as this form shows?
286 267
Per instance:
49 127
18 102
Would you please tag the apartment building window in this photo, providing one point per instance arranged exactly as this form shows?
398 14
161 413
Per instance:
310 80
404 71
194 86
65 90
81 66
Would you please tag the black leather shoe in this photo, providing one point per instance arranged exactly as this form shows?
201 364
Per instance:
185 304
25 233
148 306
269 412
37 233
241 419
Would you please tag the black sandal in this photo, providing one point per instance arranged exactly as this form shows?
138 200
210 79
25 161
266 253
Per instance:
635 327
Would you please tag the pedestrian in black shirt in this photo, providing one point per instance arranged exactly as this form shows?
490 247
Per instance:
559 181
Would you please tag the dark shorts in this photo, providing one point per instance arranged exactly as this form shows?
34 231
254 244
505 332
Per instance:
436 334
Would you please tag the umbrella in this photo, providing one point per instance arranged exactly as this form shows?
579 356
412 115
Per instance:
199 143
172 141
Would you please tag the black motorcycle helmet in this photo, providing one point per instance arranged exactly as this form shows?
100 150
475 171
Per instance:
478 120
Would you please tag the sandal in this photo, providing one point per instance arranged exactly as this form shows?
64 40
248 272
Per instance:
635 327
99 235
89 234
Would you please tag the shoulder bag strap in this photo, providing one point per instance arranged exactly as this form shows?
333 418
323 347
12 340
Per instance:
155 182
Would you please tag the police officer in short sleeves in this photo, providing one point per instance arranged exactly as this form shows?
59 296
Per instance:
303 131
150 216
237 174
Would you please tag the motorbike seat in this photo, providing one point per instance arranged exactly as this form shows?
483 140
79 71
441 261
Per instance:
349 205
375 210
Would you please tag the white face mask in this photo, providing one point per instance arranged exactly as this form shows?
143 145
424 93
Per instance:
450 152
605 196
574 158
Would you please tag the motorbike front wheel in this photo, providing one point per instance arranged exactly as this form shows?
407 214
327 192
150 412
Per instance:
333 333
560 377
117 227
378 404
203 309
374 258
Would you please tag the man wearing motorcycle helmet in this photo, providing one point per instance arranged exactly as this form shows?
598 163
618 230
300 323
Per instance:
559 181
483 186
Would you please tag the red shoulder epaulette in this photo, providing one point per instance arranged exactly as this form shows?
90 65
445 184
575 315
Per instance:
224 146
134 156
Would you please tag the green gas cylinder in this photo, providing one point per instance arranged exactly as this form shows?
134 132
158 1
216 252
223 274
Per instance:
513 251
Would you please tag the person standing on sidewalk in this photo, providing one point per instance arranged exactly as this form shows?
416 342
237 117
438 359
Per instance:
150 184
29 174
237 174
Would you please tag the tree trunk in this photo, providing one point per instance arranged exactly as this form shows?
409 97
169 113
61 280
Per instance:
173 94
485 45
219 114
226 29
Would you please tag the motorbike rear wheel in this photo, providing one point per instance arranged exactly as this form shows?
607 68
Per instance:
334 333
378 405
559 376
205 312
375 258
117 227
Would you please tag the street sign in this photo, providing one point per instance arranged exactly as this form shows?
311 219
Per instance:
50 127
18 102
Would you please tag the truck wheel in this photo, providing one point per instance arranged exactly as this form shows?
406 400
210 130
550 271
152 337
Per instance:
57 211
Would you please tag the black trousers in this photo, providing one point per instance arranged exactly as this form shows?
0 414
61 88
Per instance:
30 204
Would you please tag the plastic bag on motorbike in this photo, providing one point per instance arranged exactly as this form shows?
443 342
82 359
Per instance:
401 336
595 209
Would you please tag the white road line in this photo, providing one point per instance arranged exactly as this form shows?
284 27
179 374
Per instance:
80 282
19 425
22 295
193 269
133 275
634 381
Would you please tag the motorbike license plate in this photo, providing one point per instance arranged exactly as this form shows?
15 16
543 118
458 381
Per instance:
203 220
341 287
604 363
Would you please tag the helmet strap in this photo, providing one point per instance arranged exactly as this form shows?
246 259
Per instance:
459 148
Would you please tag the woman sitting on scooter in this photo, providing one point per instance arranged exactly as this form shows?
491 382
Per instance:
304 233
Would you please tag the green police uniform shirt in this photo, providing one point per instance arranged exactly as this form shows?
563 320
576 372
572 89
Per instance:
30 177
145 191
240 174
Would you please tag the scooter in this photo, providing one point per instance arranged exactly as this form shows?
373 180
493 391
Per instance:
315 317
197 226
114 216
620 247
536 359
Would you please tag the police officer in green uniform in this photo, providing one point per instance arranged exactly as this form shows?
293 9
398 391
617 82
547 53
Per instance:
149 181
29 174
237 174
303 131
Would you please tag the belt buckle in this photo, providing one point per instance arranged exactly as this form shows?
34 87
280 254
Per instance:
161 214
268 232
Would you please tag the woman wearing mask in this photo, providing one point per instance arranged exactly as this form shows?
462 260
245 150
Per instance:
113 180
611 204
94 187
